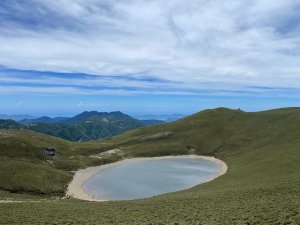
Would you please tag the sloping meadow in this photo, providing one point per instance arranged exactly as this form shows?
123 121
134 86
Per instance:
260 187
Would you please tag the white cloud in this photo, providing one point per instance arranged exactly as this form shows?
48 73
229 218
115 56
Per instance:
80 104
234 43
20 103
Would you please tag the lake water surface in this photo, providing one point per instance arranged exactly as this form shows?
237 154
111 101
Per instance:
147 178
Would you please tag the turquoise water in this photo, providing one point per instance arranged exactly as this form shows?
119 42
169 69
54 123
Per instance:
142 179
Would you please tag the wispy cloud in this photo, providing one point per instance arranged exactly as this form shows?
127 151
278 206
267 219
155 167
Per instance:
150 47
19 103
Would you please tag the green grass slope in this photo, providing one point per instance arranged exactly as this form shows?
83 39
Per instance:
25 169
261 186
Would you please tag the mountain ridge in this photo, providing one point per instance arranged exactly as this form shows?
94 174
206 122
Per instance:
88 125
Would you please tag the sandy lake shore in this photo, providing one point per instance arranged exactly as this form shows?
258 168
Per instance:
76 190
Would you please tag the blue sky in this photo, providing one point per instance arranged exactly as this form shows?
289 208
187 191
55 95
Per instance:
148 57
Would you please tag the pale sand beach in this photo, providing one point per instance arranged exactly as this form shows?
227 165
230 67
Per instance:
76 190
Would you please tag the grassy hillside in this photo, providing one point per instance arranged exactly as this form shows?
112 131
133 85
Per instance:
261 186
24 167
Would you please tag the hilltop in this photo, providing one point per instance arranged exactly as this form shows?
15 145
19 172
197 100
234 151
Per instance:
261 186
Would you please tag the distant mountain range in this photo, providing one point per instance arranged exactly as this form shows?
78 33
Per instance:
9 124
15 117
85 126
43 119
165 118
148 119
152 122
